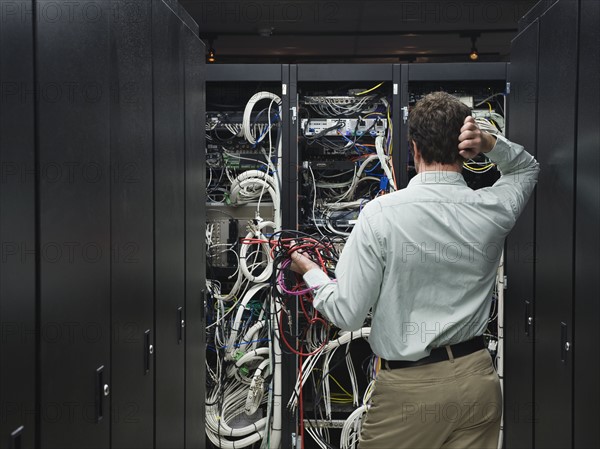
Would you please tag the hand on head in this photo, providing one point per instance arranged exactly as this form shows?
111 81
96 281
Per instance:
473 140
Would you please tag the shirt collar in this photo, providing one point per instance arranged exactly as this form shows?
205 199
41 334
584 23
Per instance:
438 177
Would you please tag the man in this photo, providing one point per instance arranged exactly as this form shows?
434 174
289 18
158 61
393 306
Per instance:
424 260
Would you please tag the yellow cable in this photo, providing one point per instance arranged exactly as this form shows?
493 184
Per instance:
371 113
338 384
485 167
370 90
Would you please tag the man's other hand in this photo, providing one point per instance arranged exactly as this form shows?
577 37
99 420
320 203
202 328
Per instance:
473 140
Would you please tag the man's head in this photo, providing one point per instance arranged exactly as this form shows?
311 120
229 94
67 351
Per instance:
434 126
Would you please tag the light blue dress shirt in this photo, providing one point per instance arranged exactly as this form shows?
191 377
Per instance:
424 259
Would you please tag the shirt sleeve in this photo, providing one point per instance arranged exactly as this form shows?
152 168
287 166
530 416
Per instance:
359 274
519 171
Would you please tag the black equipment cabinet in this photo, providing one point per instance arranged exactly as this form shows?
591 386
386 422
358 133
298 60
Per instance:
520 251
102 225
554 225
557 55
169 220
132 234
195 247
17 229
586 395
73 143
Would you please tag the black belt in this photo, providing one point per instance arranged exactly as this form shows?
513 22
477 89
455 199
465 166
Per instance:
439 354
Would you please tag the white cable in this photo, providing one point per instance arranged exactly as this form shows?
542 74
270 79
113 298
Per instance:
256 178
255 232
256 391
351 428
248 134
252 355
311 361
241 306
384 160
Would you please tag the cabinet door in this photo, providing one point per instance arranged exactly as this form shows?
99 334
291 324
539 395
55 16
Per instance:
169 222
195 225
587 244
73 132
520 252
132 226
554 225
17 228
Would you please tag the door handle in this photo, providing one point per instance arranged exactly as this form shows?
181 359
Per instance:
16 438
180 324
565 345
148 351
528 318
102 391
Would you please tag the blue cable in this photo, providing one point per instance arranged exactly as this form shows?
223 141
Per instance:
374 168
237 345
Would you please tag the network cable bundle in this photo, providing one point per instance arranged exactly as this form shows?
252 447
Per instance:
345 147
243 398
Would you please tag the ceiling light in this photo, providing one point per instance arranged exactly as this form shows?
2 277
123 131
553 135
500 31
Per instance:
211 57
474 55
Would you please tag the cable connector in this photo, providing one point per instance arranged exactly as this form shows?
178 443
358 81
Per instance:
255 395
384 183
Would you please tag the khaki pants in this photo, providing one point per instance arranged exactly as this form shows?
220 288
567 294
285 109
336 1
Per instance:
452 404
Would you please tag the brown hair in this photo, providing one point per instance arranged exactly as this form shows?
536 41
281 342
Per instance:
435 124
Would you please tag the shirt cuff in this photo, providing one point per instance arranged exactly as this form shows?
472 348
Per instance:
316 278
500 151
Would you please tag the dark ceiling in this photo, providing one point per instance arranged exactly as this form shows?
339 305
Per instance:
357 31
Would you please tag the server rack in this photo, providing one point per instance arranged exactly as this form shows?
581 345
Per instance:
335 80
132 233
87 201
556 190
229 88
554 63
17 233
520 251
587 240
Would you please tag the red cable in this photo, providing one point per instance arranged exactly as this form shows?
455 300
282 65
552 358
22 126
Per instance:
284 338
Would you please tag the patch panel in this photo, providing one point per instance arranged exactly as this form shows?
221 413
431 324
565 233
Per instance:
347 127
